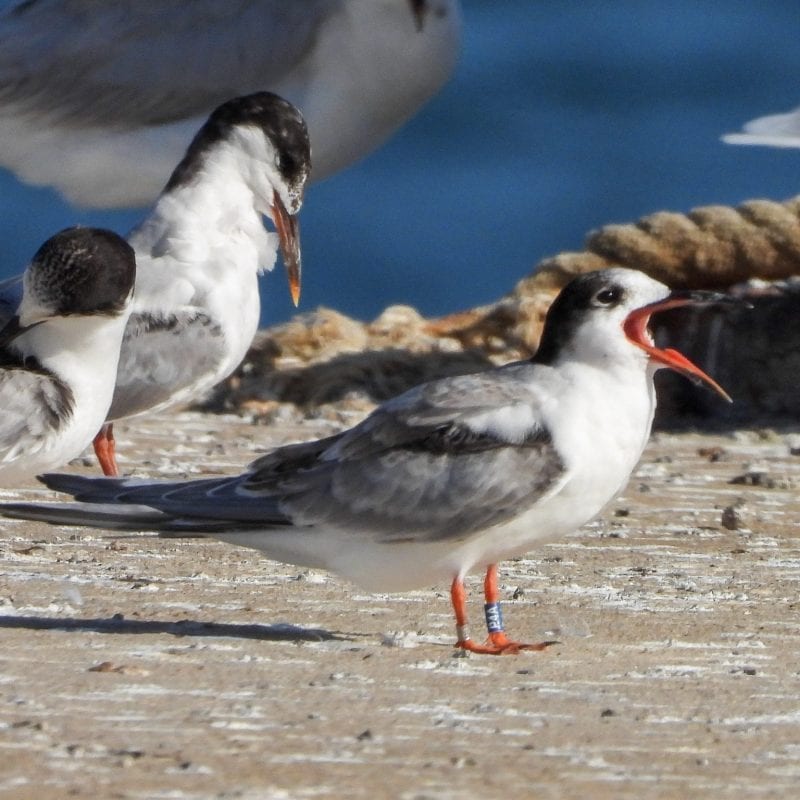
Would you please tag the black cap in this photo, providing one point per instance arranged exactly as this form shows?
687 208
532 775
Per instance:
83 271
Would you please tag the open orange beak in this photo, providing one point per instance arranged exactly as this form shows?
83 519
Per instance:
288 229
635 327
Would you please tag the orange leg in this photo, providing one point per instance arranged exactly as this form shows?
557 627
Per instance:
104 449
498 643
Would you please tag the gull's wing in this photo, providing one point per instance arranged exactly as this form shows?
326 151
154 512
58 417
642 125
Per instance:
163 358
132 63
774 130
34 406
440 462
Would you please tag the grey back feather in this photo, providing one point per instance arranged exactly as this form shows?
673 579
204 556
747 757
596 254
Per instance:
34 404
419 468
162 355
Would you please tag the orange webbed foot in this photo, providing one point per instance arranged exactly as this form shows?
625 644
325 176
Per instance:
498 644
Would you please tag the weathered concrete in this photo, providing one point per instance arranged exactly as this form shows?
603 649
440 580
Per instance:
132 667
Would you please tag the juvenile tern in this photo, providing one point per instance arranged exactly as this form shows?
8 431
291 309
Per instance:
451 476
100 97
59 350
199 252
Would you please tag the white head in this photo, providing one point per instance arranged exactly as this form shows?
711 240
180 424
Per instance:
601 318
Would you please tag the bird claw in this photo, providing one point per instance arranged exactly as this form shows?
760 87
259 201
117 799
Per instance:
498 644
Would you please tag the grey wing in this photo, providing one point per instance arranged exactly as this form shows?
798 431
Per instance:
442 461
162 360
431 465
446 486
130 504
34 406
205 504
10 298
131 63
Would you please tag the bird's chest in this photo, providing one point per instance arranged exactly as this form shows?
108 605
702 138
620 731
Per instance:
235 306
601 432
221 283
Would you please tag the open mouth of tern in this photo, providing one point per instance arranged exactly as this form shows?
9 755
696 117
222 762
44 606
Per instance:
637 332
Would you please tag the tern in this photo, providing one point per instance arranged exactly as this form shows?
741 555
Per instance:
101 98
449 477
59 350
199 252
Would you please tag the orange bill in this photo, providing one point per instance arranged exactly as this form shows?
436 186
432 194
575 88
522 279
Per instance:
288 229
635 327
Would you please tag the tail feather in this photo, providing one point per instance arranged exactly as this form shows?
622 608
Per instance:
93 489
109 516
203 500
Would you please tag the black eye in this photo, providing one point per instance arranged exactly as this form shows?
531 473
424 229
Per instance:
608 297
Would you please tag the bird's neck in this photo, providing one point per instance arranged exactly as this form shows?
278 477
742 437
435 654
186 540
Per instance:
215 209
609 405
66 345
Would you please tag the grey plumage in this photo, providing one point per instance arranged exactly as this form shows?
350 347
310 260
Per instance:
414 469
126 85
161 355
10 297
35 405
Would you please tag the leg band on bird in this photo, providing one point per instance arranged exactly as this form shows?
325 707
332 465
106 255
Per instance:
494 617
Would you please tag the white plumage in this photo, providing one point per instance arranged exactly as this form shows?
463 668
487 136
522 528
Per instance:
773 130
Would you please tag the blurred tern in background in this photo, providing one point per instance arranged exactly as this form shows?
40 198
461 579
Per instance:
100 98
773 130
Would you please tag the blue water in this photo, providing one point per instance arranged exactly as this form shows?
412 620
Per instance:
562 117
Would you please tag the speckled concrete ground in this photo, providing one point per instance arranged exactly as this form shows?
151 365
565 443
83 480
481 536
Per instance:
133 667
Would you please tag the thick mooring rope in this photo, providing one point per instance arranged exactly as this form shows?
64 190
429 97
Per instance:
710 247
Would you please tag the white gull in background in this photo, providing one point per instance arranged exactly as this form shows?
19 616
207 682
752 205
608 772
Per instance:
773 130
196 307
59 350
451 476
101 97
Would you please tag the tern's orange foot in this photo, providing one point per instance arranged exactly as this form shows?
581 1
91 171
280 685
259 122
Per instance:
498 644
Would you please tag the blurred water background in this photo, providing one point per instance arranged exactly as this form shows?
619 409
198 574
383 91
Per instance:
561 117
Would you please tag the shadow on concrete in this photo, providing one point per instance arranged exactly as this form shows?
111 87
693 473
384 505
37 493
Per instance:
280 632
